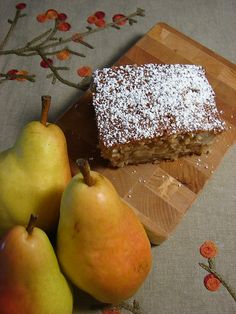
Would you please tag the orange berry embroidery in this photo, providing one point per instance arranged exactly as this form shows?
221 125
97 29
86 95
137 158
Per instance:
52 14
208 249
63 55
116 17
41 18
100 23
211 282
84 71
91 19
63 27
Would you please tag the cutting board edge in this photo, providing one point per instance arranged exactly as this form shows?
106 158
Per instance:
194 42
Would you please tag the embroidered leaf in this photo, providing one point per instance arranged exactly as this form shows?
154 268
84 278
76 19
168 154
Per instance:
211 263
41 44
22 72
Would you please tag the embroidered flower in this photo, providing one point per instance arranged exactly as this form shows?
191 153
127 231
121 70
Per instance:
208 249
41 18
100 23
63 27
44 41
20 6
99 15
211 282
44 64
117 17
97 18
51 14
62 17
12 72
63 55
84 71
91 19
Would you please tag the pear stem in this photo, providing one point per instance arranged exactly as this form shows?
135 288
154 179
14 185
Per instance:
85 170
31 224
46 102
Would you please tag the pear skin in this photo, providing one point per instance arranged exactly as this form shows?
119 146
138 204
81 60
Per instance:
30 278
101 245
33 175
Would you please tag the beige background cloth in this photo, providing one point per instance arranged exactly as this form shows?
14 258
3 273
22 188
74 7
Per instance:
175 284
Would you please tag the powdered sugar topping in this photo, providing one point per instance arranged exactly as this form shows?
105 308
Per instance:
142 102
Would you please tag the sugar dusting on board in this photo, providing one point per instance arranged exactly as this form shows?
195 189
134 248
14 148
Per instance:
140 102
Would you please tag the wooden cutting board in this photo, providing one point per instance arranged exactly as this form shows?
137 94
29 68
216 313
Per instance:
160 194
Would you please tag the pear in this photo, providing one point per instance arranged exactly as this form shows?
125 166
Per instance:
30 278
33 175
101 245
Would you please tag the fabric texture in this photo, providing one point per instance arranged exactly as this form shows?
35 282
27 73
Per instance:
175 284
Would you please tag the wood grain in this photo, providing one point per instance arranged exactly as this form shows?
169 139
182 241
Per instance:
159 194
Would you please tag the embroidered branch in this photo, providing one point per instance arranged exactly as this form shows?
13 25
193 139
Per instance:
40 44
213 280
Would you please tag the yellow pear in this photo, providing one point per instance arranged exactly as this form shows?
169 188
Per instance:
30 278
101 245
33 175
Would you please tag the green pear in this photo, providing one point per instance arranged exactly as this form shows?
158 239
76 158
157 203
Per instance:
30 278
33 175
101 245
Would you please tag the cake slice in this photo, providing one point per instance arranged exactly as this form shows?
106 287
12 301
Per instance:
153 112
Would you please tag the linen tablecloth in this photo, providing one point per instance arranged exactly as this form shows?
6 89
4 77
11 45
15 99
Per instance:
175 284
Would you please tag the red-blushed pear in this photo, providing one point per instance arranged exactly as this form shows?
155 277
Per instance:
101 245
33 174
30 278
